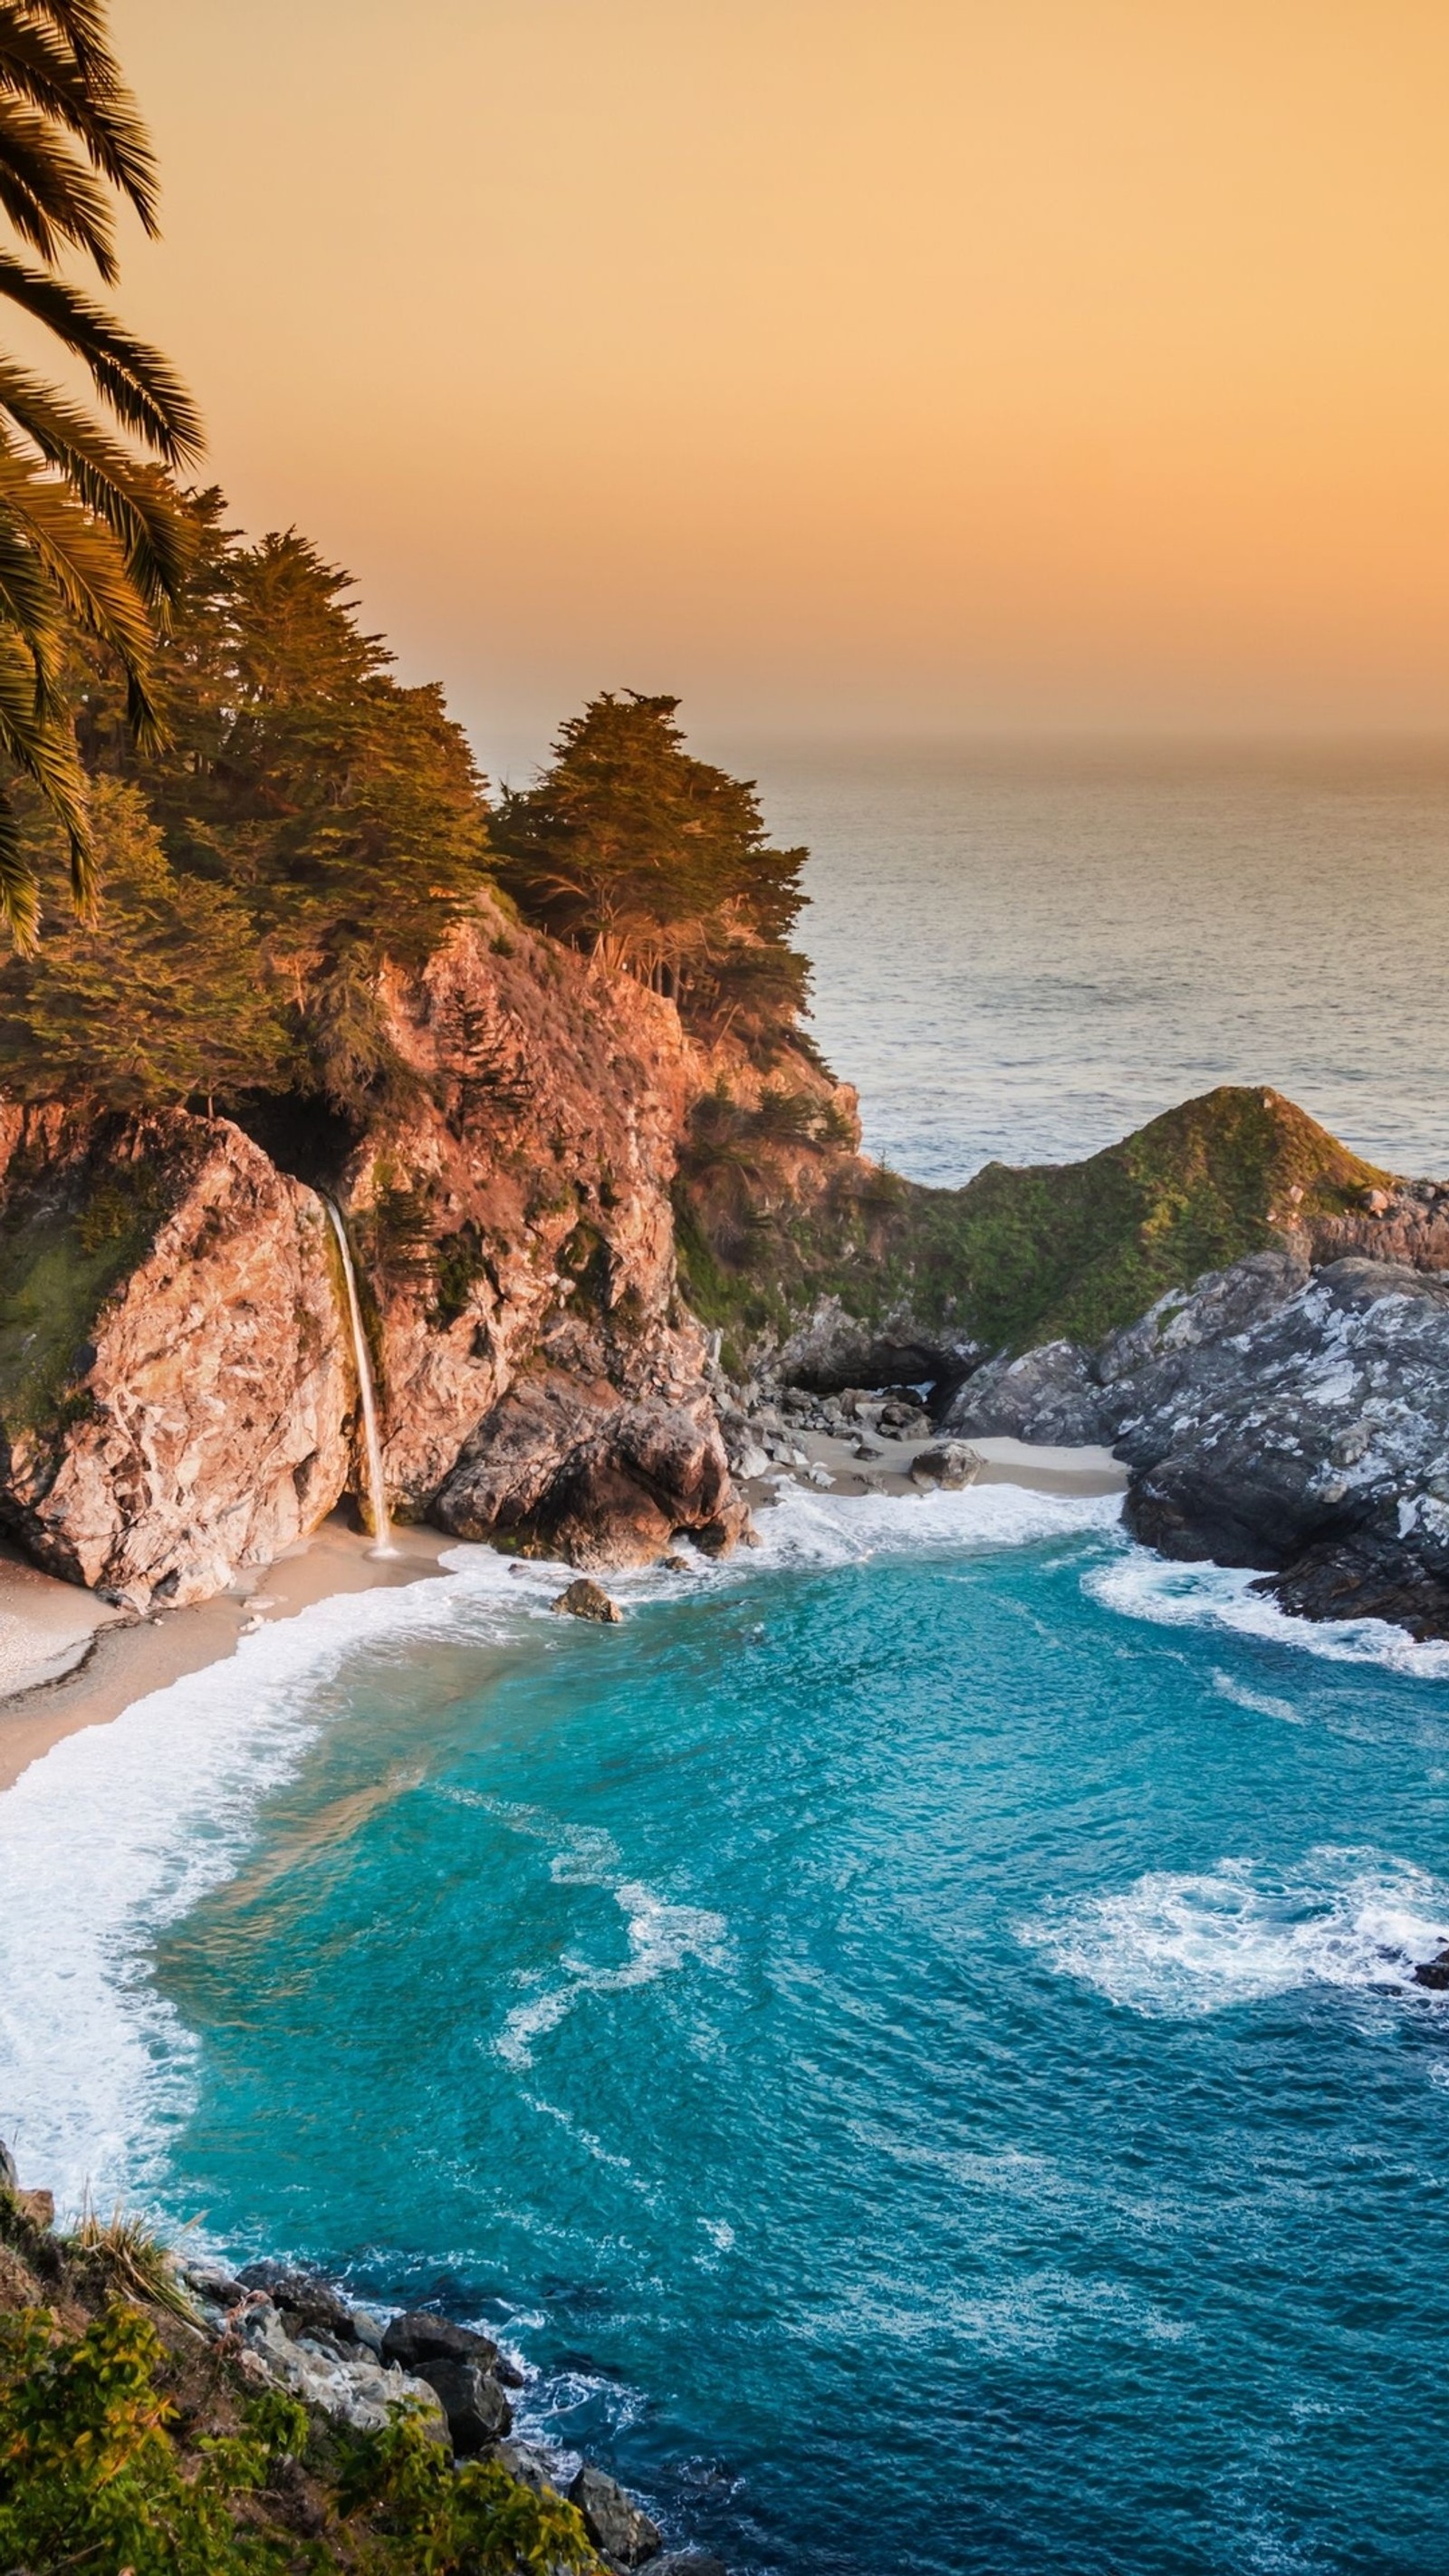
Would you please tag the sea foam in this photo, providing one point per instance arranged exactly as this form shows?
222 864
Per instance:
1142 1586
1183 1942
122 1828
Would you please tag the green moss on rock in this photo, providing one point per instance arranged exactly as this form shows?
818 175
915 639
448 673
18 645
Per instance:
1023 1255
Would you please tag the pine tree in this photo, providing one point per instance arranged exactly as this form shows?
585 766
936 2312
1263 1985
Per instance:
652 860
158 1001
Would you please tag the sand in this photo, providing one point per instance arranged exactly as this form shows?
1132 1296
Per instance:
68 1660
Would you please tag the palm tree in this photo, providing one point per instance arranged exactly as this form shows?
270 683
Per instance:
90 534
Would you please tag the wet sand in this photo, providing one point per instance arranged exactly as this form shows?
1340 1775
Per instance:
68 1661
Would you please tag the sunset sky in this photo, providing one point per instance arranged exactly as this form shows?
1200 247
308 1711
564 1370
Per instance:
938 367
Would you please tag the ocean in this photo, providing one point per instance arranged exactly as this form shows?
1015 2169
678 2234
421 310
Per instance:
1025 954
912 2037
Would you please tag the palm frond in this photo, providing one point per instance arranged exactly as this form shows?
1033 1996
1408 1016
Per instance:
59 60
142 388
47 191
136 505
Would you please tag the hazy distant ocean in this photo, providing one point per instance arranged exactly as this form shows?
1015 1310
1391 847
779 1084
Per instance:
1027 953
912 2034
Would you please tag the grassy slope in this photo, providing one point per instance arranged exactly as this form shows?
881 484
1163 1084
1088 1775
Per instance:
1021 1256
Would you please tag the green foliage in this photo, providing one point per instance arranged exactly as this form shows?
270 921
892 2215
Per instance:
652 860
132 2255
98 2469
159 998
1016 1257
90 539
342 812
89 2469
435 2521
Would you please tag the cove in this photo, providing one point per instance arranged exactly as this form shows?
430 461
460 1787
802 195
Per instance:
913 2037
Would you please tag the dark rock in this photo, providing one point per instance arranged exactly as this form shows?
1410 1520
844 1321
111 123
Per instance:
585 1600
951 1465
418 2336
1048 1395
9 2171
475 2406
1434 1973
687 2562
1313 1444
532 2466
866 1449
559 1471
211 2281
309 2305
612 2520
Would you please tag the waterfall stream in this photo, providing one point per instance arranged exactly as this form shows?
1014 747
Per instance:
376 1488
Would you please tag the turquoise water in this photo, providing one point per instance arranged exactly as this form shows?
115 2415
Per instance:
910 2037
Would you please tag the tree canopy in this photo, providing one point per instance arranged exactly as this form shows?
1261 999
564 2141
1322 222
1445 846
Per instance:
342 811
652 860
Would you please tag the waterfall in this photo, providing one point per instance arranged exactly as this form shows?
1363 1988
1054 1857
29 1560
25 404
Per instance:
376 1489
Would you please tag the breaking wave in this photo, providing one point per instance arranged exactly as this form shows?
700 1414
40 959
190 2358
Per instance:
1143 1586
1179 1943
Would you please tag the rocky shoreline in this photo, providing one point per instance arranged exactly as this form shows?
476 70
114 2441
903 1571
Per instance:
353 2368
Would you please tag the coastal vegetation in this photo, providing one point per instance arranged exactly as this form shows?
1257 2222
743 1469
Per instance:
92 543
1018 1256
129 2440
654 861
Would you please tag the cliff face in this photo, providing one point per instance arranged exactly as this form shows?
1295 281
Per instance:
562 1194
174 1387
177 1386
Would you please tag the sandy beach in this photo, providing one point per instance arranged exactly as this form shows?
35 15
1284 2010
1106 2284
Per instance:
69 1661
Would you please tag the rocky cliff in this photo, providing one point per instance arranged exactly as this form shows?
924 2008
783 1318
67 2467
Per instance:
177 1388
562 1211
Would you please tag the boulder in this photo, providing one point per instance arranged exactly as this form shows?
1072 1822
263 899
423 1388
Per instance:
560 1471
585 1600
356 2391
308 2303
1312 1445
952 1465
1048 1395
419 2336
1434 1973
477 2410
9 2171
614 2523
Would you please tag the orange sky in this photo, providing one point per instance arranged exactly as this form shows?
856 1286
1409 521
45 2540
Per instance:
897 365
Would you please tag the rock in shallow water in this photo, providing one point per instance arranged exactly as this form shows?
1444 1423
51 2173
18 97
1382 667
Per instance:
585 1600
477 2410
1434 1973
1313 1445
612 2520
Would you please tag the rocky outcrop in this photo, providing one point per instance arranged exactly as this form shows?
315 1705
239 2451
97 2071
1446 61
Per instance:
1273 1416
559 1469
177 1381
174 1391
1048 1395
1313 1444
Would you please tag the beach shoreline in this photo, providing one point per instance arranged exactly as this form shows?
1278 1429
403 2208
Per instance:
69 1661
118 1660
